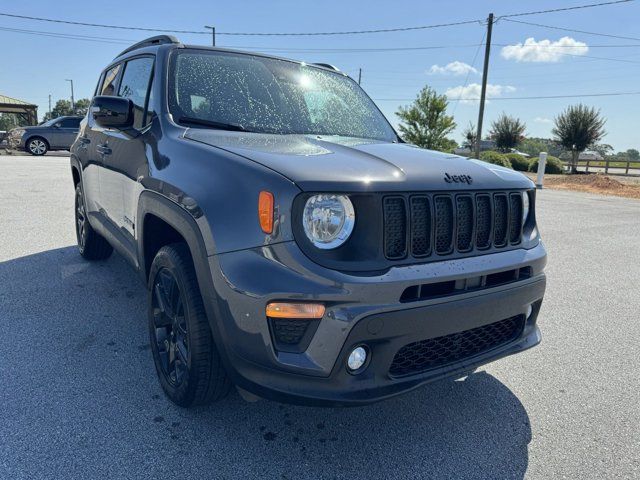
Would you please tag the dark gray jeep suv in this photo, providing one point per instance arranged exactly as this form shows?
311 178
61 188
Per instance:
292 244
56 134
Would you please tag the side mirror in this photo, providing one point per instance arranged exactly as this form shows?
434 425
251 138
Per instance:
112 112
56 125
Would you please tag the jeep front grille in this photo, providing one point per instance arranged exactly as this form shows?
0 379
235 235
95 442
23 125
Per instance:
440 225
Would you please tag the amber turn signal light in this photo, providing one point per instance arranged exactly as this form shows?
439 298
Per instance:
265 211
295 310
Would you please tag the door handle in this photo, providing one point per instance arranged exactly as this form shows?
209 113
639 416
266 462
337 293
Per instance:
104 149
84 140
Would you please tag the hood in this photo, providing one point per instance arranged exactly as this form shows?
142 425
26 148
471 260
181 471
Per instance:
321 163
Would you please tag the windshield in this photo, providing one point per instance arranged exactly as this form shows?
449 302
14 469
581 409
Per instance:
267 95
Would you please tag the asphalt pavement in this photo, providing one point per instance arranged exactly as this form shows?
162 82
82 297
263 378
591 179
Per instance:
79 396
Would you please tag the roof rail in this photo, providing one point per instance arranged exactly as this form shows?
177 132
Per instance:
157 40
327 65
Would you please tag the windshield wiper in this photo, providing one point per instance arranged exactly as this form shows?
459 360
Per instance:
213 124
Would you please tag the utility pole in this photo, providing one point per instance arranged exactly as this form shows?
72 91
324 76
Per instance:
213 34
49 106
359 75
73 103
485 71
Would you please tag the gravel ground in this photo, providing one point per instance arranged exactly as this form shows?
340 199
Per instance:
80 398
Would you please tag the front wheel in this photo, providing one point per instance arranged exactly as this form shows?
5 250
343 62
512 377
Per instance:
186 359
37 146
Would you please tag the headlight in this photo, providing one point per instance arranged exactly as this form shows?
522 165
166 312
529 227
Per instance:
328 220
525 207
18 132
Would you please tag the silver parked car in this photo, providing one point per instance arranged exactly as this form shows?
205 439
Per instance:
56 134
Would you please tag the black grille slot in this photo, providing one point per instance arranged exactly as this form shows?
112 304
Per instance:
395 227
515 223
427 291
500 220
501 277
289 331
483 221
444 225
464 223
420 226
437 352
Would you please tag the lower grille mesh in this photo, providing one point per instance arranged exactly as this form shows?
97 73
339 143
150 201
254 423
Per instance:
436 352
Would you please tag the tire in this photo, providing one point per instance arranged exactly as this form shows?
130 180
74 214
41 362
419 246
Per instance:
37 146
186 359
91 245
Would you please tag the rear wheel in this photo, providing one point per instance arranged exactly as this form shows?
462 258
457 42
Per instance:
187 362
91 245
37 146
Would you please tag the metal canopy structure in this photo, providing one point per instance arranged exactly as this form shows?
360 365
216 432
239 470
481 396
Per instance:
28 111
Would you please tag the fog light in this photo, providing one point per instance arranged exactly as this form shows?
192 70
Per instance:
529 310
357 358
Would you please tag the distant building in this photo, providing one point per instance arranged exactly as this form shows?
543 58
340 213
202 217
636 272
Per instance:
27 111
590 155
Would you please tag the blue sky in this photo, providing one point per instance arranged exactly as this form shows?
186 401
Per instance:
34 66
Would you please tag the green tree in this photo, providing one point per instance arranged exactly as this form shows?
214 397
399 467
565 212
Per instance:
534 145
633 154
63 107
507 132
425 122
11 120
603 149
470 134
82 106
577 128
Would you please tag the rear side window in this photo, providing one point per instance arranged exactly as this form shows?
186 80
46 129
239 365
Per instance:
70 123
135 85
109 83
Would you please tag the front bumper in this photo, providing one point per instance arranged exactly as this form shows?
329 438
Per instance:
360 309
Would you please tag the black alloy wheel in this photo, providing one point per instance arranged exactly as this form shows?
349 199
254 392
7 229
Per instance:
187 361
170 328
90 244
81 220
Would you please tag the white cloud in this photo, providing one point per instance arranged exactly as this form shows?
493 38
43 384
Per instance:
544 50
471 93
454 68
543 120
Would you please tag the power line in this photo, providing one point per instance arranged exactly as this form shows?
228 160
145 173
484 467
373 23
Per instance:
540 97
353 32
85 24
121 41
261 34
349 32
69 36
599 34
610 45
564 9
466 80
